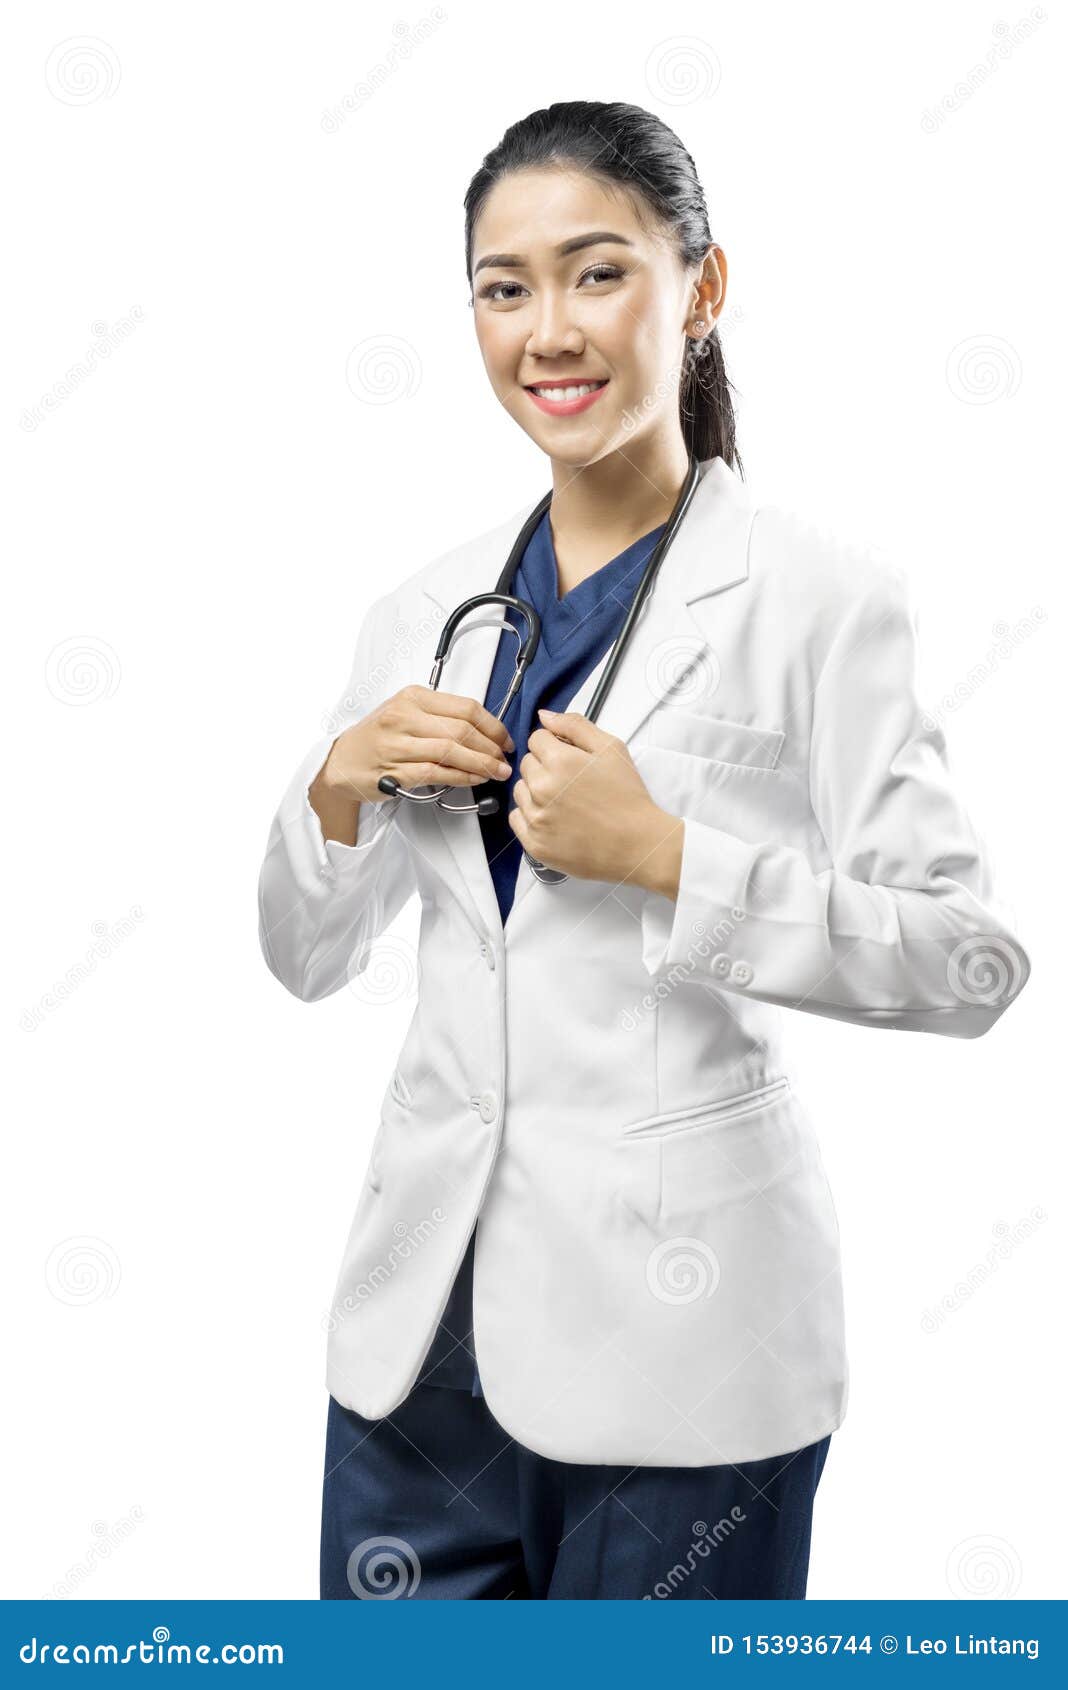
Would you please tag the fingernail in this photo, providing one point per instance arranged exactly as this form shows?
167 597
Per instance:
510 745
503 770
552 714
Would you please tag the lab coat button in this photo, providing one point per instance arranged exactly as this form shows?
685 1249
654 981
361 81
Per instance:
721 965
487 1106
741 973
486 951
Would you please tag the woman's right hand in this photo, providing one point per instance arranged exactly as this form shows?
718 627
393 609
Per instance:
419 736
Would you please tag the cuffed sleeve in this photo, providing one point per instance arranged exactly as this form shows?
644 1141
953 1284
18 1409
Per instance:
903 930
321 902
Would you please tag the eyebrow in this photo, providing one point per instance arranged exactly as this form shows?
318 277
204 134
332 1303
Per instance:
515 261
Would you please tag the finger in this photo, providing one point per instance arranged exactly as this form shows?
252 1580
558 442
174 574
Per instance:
451 733
431 774
575 728
445 752
469 710
534 780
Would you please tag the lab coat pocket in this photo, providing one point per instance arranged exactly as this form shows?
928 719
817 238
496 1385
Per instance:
716 738
753 800
708 1166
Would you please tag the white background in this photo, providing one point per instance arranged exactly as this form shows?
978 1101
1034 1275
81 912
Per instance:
197 529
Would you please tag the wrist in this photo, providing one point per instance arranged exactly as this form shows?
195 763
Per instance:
659 864
344 775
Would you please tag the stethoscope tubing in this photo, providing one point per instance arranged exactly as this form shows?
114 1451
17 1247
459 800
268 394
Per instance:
502 595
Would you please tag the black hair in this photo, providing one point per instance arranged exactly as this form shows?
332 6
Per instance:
629 146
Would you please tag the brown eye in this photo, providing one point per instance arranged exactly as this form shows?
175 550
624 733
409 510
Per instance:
489 289
601 273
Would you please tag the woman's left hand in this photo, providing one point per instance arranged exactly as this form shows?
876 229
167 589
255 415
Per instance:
582 807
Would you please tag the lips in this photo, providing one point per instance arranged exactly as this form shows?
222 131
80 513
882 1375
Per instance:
571 381
566 407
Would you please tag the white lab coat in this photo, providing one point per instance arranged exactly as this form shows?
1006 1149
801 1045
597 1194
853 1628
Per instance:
601 1082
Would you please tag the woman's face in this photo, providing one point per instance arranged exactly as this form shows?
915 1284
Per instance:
611 314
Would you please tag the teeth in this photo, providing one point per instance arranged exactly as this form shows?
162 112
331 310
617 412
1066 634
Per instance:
565 394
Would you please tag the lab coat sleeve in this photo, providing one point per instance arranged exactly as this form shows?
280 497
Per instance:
903 930
321 902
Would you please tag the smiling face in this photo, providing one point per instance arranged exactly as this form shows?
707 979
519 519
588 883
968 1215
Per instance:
582 309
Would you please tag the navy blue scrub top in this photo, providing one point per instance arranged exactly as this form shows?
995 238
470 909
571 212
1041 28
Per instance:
576 631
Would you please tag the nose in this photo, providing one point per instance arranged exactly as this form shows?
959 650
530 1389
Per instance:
554 329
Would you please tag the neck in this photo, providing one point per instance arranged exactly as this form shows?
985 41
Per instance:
600 509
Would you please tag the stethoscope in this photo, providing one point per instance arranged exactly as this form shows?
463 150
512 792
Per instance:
527 645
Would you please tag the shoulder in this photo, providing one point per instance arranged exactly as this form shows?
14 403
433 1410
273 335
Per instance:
472 566
820 576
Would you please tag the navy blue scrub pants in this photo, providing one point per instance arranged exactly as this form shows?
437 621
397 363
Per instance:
437 1501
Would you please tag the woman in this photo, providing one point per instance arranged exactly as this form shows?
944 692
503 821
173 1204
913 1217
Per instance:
760 817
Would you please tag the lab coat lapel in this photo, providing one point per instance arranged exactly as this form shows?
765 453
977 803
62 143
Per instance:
473 569
670 649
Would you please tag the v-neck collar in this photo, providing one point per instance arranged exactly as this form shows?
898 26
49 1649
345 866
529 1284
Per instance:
617 579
